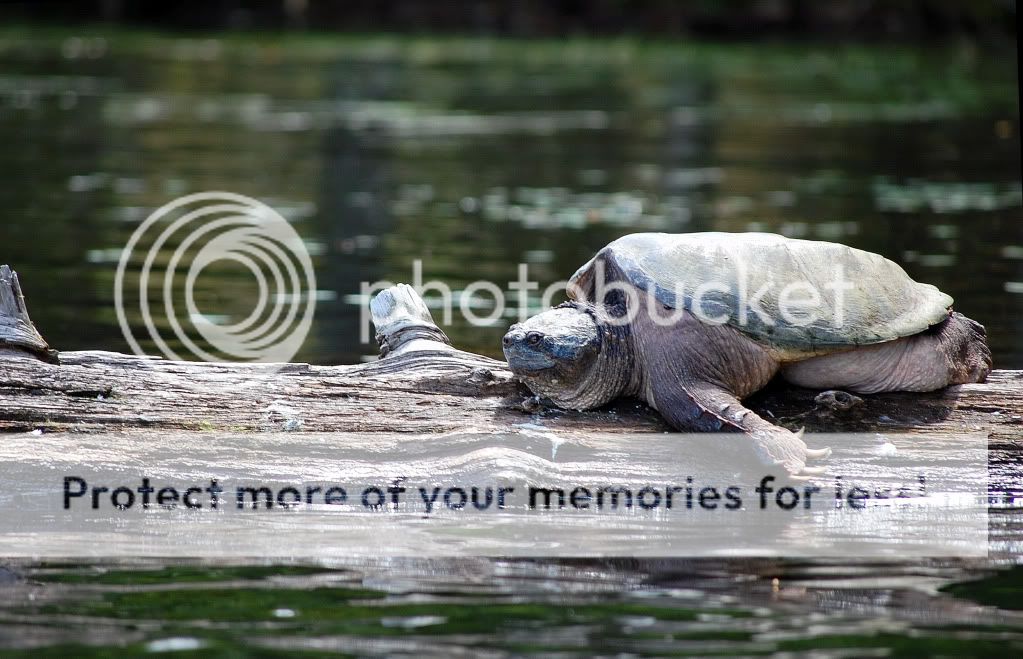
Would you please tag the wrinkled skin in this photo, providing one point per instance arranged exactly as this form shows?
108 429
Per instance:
696 374
554 353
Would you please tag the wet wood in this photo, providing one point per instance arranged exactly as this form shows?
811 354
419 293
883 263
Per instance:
422 384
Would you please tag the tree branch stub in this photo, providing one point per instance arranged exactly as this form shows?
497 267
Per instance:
18 335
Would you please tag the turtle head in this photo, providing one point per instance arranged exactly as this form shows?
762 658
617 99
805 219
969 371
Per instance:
562 354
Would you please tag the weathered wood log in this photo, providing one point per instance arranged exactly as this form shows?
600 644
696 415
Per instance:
421 384
17 332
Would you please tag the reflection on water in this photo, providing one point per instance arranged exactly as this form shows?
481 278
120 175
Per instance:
476 156
508 608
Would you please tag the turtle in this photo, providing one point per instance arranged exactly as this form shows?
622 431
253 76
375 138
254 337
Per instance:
693 323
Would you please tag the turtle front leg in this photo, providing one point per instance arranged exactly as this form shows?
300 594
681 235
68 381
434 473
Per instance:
695 375
704 407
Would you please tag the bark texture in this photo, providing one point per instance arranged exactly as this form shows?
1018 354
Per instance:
421 384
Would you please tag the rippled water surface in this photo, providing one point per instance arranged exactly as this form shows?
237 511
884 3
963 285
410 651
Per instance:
475 156
510 608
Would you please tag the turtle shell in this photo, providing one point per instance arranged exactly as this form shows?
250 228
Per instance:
764 285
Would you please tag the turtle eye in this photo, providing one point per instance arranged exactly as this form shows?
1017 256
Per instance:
534 338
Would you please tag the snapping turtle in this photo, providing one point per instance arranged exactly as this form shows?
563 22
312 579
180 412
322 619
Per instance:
693 323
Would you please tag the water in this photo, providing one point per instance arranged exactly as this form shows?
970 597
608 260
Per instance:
476 156
512 608
471 494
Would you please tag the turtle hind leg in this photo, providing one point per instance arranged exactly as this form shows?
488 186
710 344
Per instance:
954 351
967 346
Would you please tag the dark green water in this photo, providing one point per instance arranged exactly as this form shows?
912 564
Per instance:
501 608
478 156
475 157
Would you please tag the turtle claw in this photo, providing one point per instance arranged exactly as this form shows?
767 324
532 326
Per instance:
817 453
813 453
802 475
783 449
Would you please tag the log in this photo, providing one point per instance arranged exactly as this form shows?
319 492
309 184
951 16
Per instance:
420 384
17 331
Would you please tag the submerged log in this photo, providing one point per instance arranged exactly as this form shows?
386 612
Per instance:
420 384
